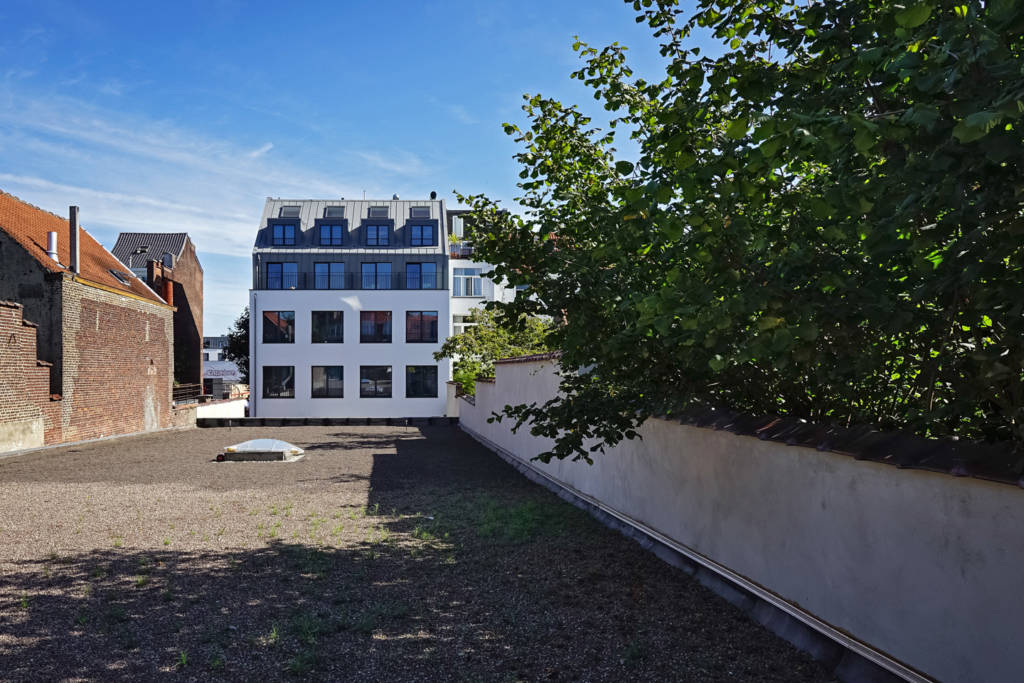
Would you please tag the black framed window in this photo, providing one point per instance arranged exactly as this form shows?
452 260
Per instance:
421 381
329 275
283 234
331 235
328 381
375 381
422 236
376 275
278 381
334 212
421 326
375 327
378 235
288 212
421 276
282 275
328 327
278 327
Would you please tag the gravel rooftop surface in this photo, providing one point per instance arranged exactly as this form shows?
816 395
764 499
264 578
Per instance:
387 553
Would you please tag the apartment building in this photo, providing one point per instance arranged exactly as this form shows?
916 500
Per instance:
469 288
350 299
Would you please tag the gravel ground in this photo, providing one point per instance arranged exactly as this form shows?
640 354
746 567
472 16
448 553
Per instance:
387 553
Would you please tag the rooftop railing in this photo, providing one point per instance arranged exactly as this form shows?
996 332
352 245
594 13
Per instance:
358 281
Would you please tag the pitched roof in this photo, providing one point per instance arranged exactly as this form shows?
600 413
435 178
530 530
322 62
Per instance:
28 225
158 244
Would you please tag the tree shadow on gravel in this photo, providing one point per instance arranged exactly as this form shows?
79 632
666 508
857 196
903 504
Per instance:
457 568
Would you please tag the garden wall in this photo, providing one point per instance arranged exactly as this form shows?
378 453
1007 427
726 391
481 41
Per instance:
924 568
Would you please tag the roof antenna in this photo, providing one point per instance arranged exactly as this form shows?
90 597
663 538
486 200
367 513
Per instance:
364 194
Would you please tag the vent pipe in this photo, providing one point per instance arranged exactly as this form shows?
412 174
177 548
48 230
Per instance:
51 246
74 243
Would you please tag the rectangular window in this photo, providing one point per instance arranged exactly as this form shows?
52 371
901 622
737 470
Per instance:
329 275
331 235
422 236
421 276
288 212
377 235
206 356
421 326
419 212
466 282
328 327
278 327
377 212
421 381
334 212
282 275
376 275
278 381
375 327
284 234
375 381
328 381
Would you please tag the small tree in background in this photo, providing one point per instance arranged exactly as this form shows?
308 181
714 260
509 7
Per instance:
475 350
237 350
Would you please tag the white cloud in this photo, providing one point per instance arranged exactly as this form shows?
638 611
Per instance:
461 114
260 151
404 163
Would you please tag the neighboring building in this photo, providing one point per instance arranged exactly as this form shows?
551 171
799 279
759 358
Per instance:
348 304
469 289
87 347
221 377
170 257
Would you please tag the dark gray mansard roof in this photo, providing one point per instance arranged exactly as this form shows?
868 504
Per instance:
159 243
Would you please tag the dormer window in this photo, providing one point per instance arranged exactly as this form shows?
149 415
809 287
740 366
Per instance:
422 236
419 212
331 235
283 235
288 212
377 212
334 212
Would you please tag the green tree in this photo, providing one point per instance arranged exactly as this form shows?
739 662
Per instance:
237 350
824 222
475 350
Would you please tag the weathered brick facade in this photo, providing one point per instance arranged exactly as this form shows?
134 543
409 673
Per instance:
109 343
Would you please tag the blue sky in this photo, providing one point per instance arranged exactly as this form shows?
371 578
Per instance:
185 116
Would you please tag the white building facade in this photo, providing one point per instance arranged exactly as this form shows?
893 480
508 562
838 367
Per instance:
469 288
350 300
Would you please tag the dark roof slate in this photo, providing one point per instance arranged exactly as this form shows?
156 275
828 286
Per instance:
159 243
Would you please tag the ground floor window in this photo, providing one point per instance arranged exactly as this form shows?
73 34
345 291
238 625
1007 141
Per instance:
278 381
375 381
421 381
328 381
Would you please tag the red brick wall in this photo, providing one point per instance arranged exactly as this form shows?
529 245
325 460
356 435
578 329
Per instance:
26 409
118 364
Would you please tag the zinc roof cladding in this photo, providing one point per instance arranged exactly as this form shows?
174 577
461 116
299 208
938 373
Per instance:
28 225
159 243
356 211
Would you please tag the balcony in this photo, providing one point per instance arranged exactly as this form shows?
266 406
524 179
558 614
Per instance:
356 281
460 250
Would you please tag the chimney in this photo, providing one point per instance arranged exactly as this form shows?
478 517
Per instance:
51 246
73 263
168 291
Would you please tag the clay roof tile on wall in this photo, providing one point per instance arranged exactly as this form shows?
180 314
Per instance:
28 225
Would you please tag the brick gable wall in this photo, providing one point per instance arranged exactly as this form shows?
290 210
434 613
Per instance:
29 417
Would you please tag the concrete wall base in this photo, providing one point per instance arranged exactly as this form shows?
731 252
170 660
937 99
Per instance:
844 663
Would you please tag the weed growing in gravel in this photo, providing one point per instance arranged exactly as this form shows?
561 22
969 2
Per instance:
141 580
118 542
272 638
273 509
303 662
98 572
167 541
23 603
521 522
182 659
82 619
216 662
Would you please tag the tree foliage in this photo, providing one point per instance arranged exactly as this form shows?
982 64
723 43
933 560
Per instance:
825 221
486 340
237 350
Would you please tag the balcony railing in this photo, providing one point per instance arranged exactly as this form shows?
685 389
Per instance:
404 281
460 250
